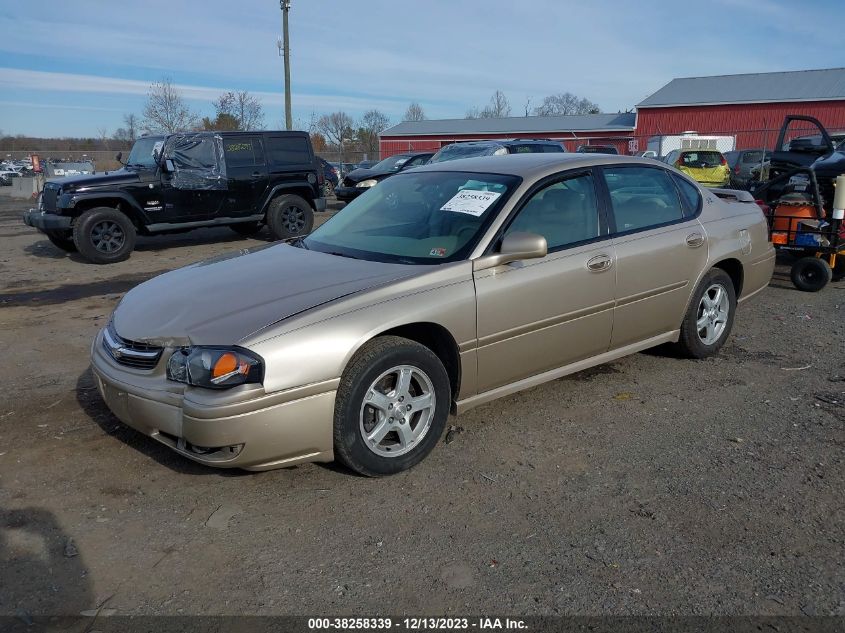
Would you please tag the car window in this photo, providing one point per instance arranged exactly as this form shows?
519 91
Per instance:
701 159
752 157
465 150
564 213
642 197
419 160
553 149
283 151
671 157
689 193
242 151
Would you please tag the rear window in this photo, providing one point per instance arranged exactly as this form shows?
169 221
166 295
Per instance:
242 151
460 150
752 157
283 151
701 159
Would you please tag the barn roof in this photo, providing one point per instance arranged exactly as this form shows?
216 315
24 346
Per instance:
623 122
801 85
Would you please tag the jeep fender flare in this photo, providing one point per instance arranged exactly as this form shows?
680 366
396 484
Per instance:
304 191
132 208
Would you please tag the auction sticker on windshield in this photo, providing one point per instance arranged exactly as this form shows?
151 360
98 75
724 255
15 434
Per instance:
471 202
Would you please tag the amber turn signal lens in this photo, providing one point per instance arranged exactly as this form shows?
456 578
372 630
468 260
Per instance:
226 364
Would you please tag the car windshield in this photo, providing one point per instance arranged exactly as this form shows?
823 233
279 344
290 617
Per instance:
701 159
416 218
142 152
394 163
461 150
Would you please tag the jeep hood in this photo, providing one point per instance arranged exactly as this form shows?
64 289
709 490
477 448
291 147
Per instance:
84 181
224 300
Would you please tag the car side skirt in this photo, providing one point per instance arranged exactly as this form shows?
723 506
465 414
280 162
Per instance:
526 383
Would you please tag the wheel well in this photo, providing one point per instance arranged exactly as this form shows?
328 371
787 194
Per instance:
115 203
440 341
303 192
733 267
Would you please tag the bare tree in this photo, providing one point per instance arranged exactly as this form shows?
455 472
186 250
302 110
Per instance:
336 128
371 125
499 107
565 103
103 133
527 106
245 108
414 112
131 122
166 110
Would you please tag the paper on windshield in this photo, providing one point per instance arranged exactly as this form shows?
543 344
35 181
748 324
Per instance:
471 202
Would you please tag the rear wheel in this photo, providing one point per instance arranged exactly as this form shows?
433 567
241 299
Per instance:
391 407
246 229
289 216
104 235
811 274
62 240
710 316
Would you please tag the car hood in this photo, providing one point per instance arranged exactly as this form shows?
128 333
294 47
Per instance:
357 175
224 300
117 177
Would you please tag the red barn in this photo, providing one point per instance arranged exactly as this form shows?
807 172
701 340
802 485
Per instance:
572 130
750 107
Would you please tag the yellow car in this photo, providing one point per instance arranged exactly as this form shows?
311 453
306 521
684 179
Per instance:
706 166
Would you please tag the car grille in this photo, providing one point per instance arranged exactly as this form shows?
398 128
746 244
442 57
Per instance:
130 353
49 195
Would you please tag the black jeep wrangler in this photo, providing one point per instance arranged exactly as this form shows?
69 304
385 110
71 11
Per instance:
181 182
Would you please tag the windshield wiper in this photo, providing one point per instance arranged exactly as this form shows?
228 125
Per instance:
340 254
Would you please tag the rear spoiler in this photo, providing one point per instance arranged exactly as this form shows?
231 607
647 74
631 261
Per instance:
733 195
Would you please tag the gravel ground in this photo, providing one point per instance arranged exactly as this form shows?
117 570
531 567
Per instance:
653 485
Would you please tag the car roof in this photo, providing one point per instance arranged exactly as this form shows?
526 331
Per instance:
534 164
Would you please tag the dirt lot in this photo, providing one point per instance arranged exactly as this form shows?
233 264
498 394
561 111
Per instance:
652 485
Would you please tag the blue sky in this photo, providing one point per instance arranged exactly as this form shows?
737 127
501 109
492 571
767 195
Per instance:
71 68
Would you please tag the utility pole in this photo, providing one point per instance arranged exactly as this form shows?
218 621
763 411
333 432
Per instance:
285 5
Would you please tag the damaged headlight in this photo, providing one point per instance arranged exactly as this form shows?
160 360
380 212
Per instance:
215 367
369 182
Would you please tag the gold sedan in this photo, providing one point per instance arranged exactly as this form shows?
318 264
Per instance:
442 288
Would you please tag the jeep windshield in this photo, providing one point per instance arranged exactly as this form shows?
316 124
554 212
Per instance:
142 152
416 218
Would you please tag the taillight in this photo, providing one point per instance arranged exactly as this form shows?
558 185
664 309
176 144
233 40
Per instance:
724 162
678 164
736 169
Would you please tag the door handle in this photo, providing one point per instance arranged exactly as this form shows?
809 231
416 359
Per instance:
599 263
694 240
256 175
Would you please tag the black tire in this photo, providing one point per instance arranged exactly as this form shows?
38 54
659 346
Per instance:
810 274
62 240
289 216
247 229
693 341
839 269
352 411
104 235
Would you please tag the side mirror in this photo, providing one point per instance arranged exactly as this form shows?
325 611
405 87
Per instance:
515 247
168 166
119 158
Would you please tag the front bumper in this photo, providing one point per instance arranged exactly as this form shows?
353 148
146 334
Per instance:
44 221
346 194
243 427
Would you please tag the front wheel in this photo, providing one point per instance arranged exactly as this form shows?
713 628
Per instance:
810 274
104 235
710 316
391 407
289 216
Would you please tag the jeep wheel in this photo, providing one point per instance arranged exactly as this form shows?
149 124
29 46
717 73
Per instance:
104 235
62 240
289 216
247 229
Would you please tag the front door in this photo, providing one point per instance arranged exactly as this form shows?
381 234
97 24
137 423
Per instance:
536 315
661 249
195 190
246 173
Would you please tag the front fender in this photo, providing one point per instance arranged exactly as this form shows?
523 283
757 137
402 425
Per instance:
70 201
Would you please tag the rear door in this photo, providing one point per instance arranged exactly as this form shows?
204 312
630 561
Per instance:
246 172
661 248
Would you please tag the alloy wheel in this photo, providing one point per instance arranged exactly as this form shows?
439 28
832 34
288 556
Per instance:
293 219
712 316
397 411
107 236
